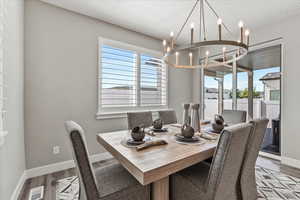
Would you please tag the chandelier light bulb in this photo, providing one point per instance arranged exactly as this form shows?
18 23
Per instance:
177 57
219 22
164 42
224 49
207 53
192 25
241 24
239 41
190 54
168 49
172 34
247 32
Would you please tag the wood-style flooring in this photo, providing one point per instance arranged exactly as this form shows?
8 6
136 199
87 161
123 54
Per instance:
49 180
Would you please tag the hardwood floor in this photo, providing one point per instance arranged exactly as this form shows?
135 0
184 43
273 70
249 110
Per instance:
49 180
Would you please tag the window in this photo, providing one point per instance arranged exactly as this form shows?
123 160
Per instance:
274 95
130 78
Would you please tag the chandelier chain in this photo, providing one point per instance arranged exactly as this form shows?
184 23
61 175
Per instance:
187 19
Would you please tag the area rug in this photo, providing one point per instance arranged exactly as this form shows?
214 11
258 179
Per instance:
271 185
274 185
67 188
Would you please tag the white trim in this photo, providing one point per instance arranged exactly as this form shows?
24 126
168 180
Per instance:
123 114
269 155
19 186
127 46
3 134
291 162
48 169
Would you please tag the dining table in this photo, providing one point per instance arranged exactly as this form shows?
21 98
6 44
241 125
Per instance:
156 164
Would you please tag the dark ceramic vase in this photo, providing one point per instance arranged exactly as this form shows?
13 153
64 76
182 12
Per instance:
219 119
187 131
138 133
217 127
218 124
157 124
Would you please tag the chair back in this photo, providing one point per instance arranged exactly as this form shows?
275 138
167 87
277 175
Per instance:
234 116
168 116
225 169
248 180
88 183
139 118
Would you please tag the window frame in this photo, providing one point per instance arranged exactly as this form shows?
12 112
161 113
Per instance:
120 112
271 93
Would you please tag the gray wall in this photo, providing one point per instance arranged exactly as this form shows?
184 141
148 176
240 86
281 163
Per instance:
61 79
12 157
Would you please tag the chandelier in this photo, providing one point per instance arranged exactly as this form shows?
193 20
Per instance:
189 56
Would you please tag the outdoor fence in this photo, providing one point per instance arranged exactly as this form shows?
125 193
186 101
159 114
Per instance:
268 109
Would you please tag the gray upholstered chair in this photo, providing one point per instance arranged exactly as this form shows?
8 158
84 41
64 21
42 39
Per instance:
110 182
139 118
234 116
248 180
220 180
167 116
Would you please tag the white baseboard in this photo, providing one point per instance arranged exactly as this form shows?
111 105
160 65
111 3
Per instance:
291 162
269 155
19 186
48 169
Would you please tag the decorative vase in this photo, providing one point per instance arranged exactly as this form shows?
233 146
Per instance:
157 124
138 133
187 131
186 117
195 117
218 124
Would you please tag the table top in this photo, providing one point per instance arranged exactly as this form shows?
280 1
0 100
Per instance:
156 162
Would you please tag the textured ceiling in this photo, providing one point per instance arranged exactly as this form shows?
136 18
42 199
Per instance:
158 17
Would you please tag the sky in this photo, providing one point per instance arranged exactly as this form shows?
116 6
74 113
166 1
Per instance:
242 79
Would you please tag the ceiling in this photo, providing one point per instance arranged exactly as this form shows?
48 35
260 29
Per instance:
157 18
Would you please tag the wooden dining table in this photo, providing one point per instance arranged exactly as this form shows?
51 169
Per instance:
155 164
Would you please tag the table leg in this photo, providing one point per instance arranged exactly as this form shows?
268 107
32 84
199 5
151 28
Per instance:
160 189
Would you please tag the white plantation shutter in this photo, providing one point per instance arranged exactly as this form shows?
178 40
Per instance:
118 77
153 81
130 78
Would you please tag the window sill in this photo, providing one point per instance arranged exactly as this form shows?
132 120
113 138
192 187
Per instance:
122 114
3 134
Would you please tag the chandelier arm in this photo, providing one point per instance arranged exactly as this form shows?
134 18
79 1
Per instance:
187 19
216 14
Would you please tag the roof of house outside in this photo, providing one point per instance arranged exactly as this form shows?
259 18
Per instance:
271 76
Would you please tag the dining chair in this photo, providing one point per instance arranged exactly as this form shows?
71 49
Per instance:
248 180
139 118
234 116
109 182
220 180
167 116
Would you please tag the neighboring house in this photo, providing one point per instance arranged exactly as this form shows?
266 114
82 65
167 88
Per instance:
271 83
212 93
